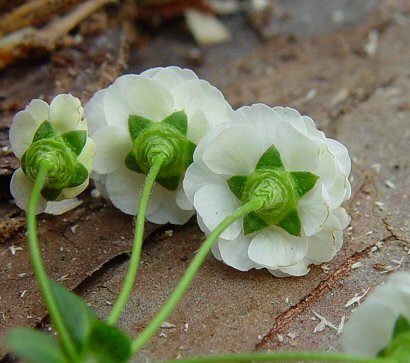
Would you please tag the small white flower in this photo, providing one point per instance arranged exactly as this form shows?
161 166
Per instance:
373 327
154 96
34 127
235 149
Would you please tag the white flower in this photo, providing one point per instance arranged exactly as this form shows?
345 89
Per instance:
30 128
154 95
371 327
234 149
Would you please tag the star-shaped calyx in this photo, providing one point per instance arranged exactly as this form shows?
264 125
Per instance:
59 153
279 189
166 139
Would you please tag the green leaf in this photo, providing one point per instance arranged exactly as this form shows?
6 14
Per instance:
170 183
106 344
252 223
131 163
76 140
33 346
81 174
291 223
304 181
179 120
78 317
44 131
50 194
270 159
402 325
136 124
236 184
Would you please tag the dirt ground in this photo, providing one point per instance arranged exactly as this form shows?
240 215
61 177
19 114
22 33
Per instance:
347 67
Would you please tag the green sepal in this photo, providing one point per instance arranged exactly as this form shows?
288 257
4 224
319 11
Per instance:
402 325
270 159
137 124
81 174
106 344
78 317
178 120
76 140
304 181
44 131
291 223
50 194
236 184
33 346
170 183
190 148
252 223
131 163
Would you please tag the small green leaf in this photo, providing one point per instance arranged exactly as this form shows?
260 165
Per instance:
136 124
291 223
50 194
81 174
179 120
190 152
270 159
33 346
78 317
304 181
131 163
170 183
402 325
44 131
76 140
106 344
236 184
252 223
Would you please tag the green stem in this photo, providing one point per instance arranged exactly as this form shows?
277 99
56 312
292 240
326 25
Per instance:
283 356
39 270
190 273
137 242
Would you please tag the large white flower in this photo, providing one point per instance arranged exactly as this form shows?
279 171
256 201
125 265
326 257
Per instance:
152 97
381 325
56 134
230 162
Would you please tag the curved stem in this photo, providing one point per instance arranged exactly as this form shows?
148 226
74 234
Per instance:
137 242
283 356
190 273
39 270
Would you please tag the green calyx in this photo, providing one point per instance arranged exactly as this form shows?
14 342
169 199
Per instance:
279 191
59 154
399 346
167 140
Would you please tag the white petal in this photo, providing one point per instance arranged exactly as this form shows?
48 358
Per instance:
235 151
68 193
170 77
21 187
299 269
206 140
293 117
94 112
38 109
182 200
312 129
214 203
87 154
168 211
57 208
113 145
22 131
99 182
314 209
137 96
340 190
124 186
235 252
198 126
341 153
273 248
342 216
65 113
215 251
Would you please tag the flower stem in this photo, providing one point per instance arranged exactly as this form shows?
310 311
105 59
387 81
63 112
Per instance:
39 270
190 273
283 356
137 242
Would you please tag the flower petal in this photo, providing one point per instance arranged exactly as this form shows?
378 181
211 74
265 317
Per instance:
214 203
87 154
170 77
235 151
293 117
235 252
113 145
341 153
57 208
298 269
273 248
182 200
21 187
94 112
68 193
65 113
